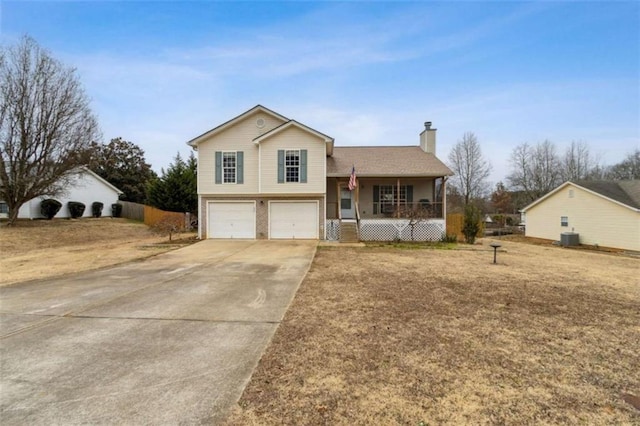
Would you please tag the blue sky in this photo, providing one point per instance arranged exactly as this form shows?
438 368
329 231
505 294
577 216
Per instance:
365 73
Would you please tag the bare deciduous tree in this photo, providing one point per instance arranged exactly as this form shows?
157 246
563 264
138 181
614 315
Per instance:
535 169
169 224
578 163
627 169
470 168
46 125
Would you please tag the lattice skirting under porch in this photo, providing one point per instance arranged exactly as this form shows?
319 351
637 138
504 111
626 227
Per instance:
333 230
392 230
401 230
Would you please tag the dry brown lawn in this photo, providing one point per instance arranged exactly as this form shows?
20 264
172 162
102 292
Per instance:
381 335
43 249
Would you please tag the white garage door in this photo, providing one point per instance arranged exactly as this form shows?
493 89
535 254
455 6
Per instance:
293 220
232 219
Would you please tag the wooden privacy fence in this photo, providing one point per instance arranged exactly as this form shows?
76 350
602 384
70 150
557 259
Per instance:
455 223
151 215
131 210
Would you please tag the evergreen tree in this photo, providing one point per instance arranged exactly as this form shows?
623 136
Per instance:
122 164
176 189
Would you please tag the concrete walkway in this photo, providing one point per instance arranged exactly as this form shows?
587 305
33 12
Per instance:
173 339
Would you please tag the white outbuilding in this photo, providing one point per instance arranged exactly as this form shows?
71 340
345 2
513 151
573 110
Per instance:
86 187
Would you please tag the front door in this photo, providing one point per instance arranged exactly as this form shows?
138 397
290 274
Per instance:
347 204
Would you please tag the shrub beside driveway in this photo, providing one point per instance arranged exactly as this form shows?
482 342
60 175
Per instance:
384 336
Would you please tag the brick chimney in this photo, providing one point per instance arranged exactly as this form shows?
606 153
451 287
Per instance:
428 139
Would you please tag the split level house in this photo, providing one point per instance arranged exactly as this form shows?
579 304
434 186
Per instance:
262 175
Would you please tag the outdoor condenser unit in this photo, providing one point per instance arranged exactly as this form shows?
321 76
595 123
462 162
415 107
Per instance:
568 239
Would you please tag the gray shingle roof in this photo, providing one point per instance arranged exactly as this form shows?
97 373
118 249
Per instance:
625 192
385 161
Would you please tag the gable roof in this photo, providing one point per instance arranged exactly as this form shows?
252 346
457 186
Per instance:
625 193
100 179
385 161
195 141
622 191
293 123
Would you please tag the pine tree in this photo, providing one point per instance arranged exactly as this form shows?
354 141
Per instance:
176 189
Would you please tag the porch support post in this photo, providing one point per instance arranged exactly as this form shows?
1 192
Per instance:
443 188
398 200
357 198
338 198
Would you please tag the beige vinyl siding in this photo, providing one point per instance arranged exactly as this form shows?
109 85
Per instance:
236 138
597 220
293 138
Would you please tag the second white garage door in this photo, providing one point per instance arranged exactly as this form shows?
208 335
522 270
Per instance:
232 219
293 220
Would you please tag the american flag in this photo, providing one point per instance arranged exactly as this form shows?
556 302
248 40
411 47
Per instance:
352 179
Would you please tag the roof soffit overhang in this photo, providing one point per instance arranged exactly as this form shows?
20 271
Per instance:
258 108
569 183
292 123
386 176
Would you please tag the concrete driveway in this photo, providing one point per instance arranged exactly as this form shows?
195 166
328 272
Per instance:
173 339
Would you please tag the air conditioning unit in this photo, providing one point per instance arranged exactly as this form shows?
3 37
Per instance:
569 239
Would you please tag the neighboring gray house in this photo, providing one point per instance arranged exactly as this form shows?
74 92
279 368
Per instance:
264 176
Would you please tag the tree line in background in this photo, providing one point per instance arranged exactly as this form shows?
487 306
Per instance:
47 131
535 170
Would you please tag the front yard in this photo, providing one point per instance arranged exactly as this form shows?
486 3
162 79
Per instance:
48 248
381 335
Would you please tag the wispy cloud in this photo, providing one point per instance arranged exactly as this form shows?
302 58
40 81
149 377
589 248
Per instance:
366 74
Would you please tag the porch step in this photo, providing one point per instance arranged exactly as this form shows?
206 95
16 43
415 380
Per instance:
349 232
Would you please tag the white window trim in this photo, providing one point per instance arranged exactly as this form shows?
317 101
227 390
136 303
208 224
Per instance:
235 168
299 166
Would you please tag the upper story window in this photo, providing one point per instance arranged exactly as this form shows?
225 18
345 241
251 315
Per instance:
229 167
229 170
292 165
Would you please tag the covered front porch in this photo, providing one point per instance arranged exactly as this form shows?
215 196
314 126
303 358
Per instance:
387 208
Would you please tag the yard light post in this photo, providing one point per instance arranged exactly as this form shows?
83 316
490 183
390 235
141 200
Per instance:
495 249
